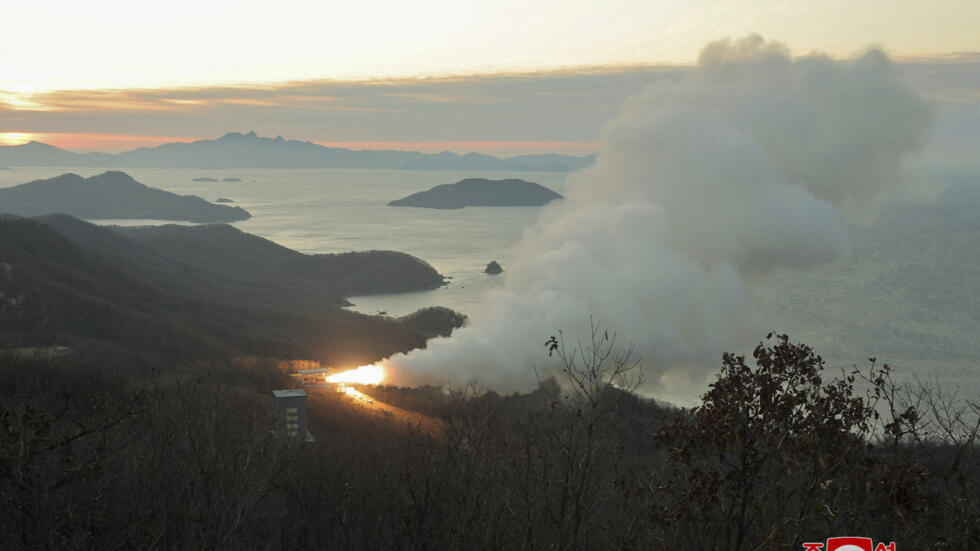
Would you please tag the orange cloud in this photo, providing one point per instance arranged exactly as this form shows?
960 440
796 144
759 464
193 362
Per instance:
504 113
78 141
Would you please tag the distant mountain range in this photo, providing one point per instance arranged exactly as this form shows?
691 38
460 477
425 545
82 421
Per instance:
237 150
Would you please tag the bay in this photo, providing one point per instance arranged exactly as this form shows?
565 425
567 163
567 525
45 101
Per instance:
908 293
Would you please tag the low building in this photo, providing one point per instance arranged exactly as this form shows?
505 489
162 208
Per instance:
291 415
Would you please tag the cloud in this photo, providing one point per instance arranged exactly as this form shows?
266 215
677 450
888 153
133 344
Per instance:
705 185
568 105
553 106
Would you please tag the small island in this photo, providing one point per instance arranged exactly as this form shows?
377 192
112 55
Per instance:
480 192
231 179
223 200
205 179
493 268
111 195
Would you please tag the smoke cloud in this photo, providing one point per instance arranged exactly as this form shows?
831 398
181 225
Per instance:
749 164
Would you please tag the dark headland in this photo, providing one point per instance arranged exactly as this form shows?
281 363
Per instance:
198 292
480 192
111 195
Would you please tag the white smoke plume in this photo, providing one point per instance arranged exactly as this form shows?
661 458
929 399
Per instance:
748 164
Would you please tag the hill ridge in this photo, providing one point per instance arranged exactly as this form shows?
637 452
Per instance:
112 194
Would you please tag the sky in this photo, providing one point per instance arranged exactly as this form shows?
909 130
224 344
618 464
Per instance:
497 77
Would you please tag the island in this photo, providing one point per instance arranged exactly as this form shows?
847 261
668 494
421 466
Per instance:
111 195
493 268
480 192
231 179
205 179
224 200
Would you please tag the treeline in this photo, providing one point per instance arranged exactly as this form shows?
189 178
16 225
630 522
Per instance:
777 453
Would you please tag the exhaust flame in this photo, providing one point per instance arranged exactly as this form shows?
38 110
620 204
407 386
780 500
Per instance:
363 375
356 394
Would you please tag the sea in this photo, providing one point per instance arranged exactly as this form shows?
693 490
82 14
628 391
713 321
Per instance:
907 294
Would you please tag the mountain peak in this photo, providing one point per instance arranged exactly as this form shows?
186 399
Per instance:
36 145
68 177
251 135
115 176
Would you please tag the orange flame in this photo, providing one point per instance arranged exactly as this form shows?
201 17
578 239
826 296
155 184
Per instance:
356 394
364 375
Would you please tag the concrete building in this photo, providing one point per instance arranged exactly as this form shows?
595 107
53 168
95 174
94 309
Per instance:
291 414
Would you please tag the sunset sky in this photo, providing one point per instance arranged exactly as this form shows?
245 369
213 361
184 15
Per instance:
485 76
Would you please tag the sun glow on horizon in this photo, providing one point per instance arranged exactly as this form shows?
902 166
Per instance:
87 141
16 138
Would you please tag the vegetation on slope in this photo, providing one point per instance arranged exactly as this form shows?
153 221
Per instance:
94 455
159 299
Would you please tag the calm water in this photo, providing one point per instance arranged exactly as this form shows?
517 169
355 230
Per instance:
909 292
338 210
